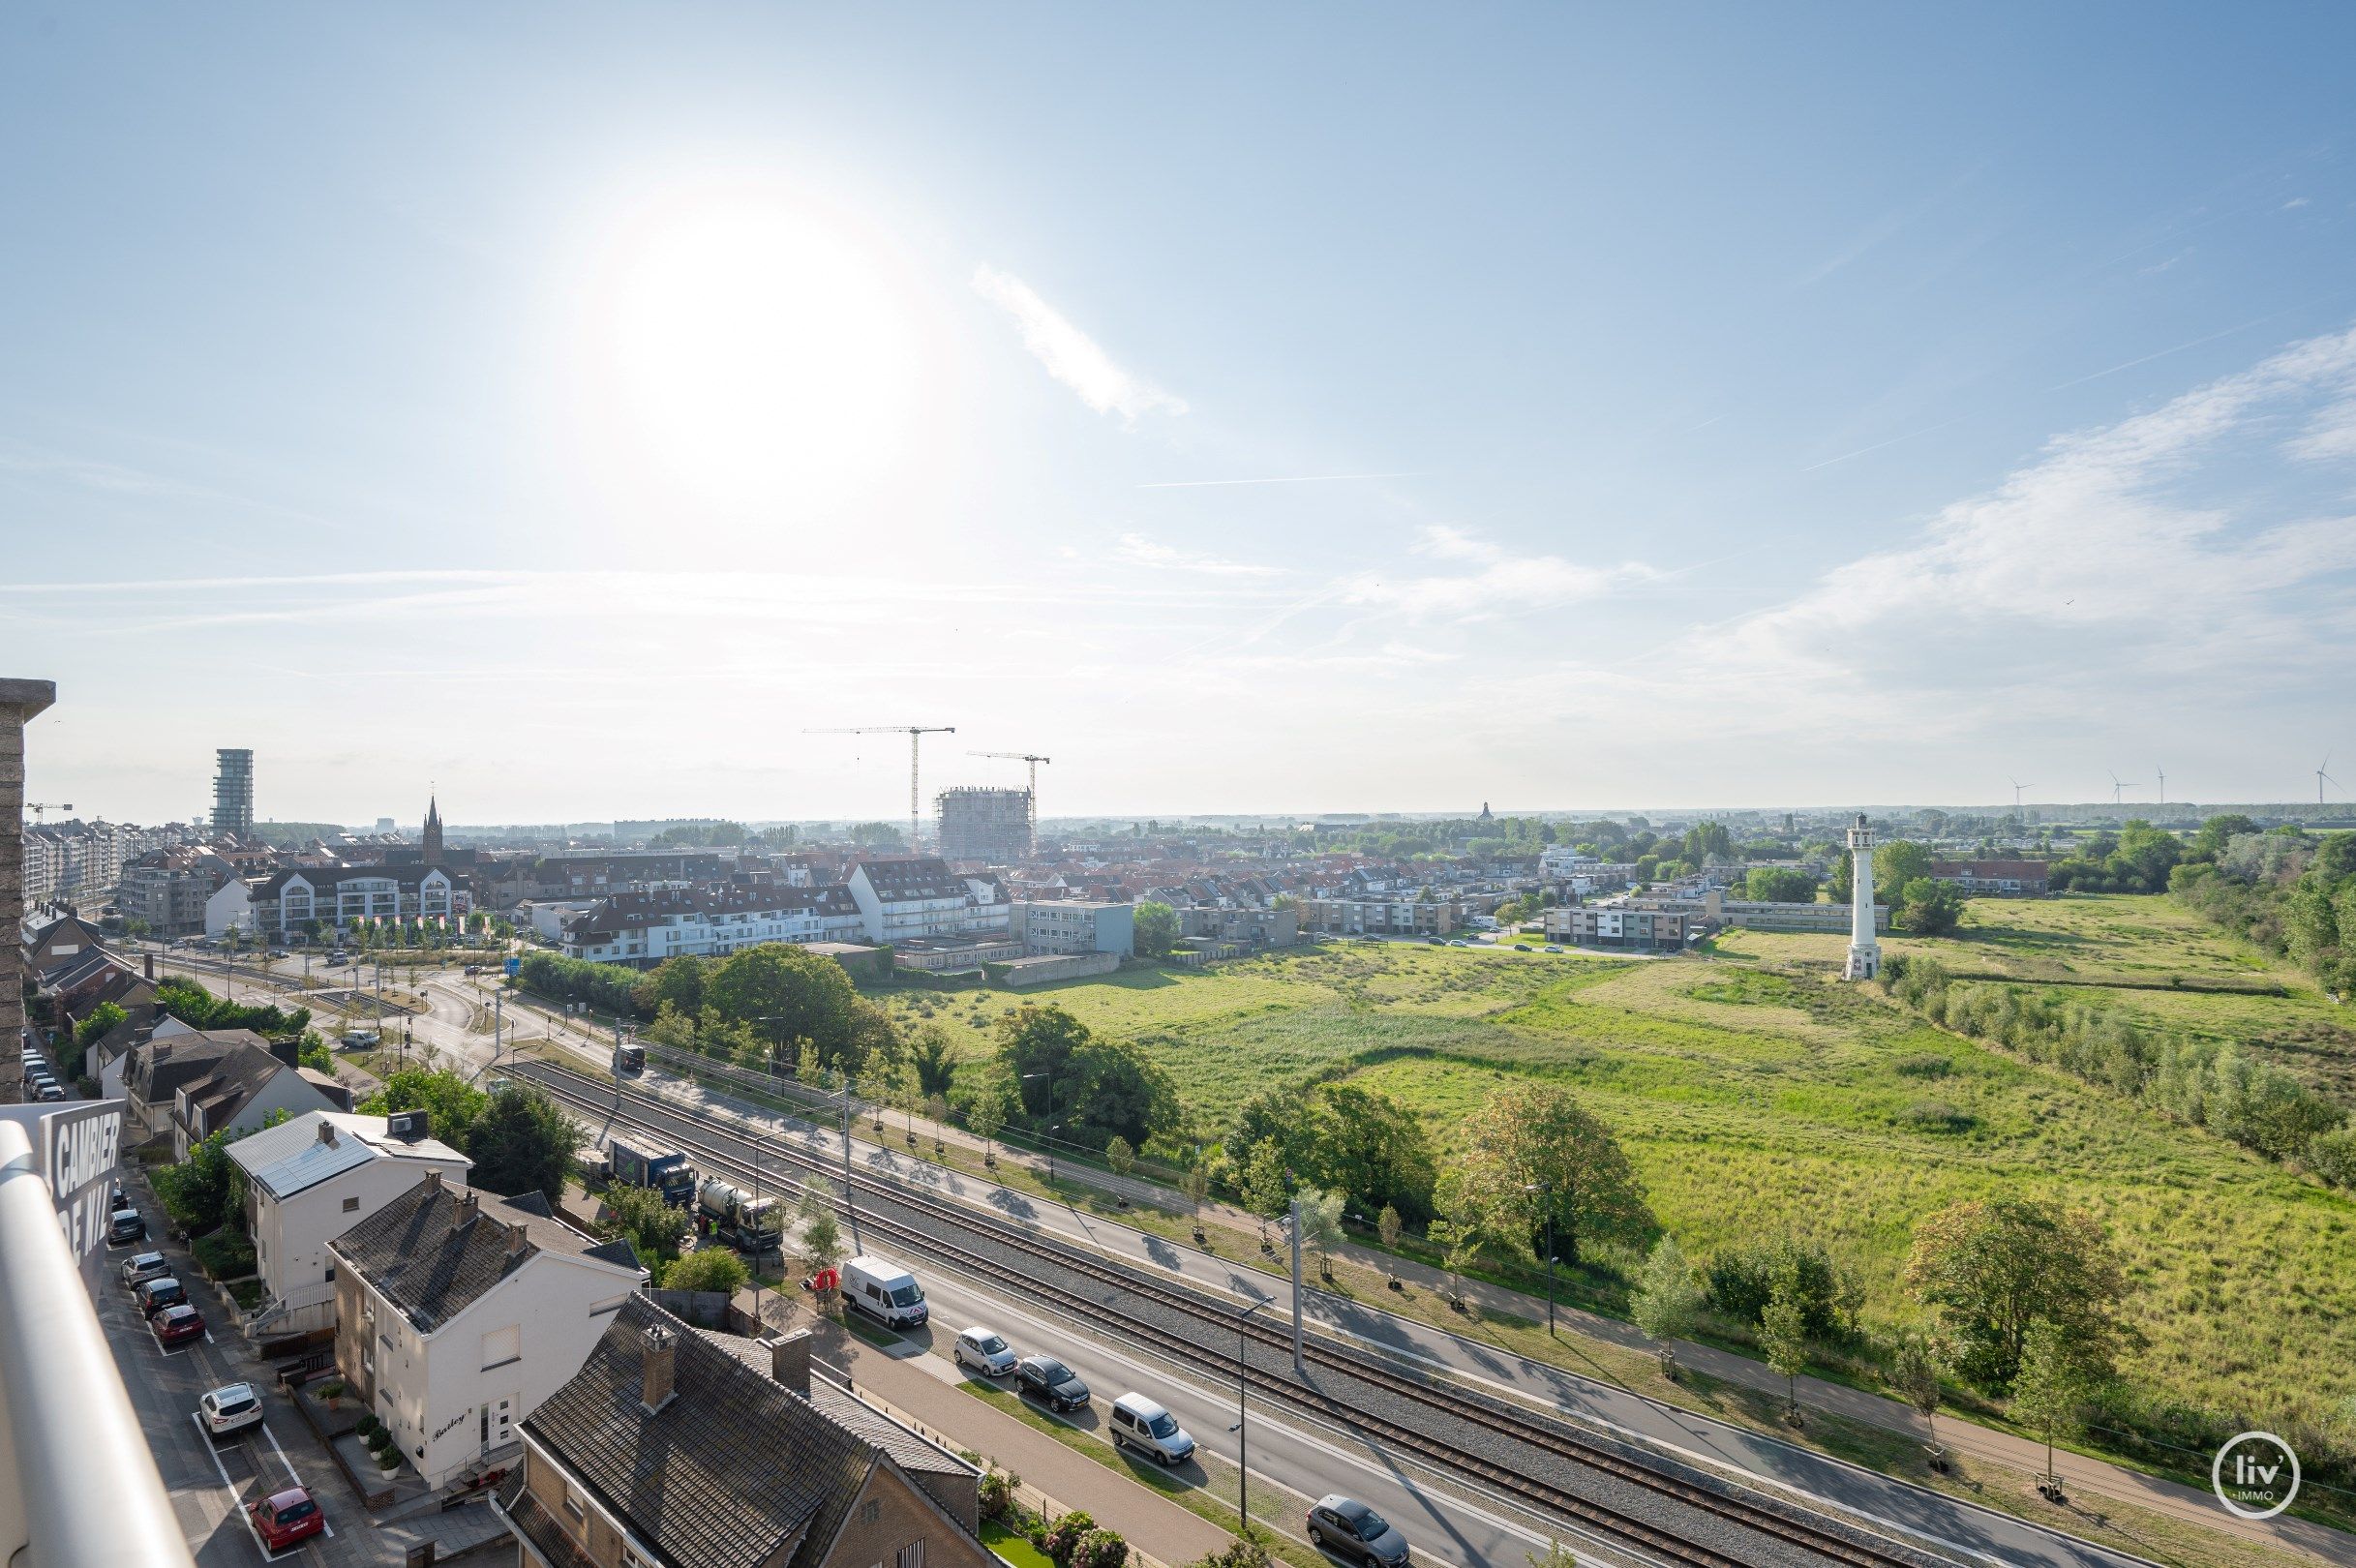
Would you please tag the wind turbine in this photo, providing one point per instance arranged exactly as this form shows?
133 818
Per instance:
2017 787
2117 788
2163 783
2322 778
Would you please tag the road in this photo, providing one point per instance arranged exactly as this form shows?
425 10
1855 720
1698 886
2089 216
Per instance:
205 1479
1931 1518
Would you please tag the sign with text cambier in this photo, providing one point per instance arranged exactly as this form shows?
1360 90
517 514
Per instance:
78 1150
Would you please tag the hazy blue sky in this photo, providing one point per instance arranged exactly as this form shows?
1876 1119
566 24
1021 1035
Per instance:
1256 408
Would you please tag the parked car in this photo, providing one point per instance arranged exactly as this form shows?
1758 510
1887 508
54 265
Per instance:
475 969
285 1518
985 1351
125 1224
1051 1381
231 1407
1348 1528
1145 1426
280 953
145 1266
159 1294
50 1092
177 1325
1550 948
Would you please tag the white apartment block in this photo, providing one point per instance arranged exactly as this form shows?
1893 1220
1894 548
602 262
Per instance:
643 929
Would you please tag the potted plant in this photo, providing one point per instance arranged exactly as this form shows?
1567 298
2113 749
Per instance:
332 1391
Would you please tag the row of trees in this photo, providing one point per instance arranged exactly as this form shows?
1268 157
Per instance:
2201 1083
1902 879
518 1138
200 1009
2138 861
2289 892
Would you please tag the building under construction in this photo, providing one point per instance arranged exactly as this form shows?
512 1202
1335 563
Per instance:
989 826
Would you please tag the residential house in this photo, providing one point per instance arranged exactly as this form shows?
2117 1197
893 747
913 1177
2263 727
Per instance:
245 1087
644 928
1997 879
677 1447
155 1071
287 901
312 1178
458 1314
905 896
1246 928
1065 925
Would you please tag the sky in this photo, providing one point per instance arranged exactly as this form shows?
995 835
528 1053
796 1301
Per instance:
1321 408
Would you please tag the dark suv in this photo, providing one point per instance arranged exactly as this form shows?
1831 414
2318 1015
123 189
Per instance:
1049 1380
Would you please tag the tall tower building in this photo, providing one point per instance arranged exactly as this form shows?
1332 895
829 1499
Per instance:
428 842
233 793
989 826
1864 948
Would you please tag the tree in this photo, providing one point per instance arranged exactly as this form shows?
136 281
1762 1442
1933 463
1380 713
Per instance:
986 1115
1929 907
821 1235
201 1192
1387 1226
1156 929
797 994
1121 1154
1897 862
655 1228
1667 1301
708 1268
452 1105
678 982
1991 1269
1779 885
1319 1215
521 1143
1532 1154
95 1027
2051 1388
1094 1088
1358 1142
1914 1372
1783 1334
933 1057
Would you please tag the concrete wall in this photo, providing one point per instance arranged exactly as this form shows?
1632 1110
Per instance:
19 700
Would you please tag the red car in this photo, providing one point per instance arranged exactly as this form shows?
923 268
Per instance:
177 1325
285 1518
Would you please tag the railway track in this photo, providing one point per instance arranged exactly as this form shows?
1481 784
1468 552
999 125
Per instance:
1714 1527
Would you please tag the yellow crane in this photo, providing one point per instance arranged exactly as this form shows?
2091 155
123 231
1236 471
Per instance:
915 734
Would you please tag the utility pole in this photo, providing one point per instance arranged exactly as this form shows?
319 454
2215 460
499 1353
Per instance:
916 733
1298 1370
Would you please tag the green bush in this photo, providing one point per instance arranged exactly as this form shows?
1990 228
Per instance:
1742 1280
997 1492
226 1255
1061 1539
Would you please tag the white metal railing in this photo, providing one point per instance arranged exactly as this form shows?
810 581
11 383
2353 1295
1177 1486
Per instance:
66 1422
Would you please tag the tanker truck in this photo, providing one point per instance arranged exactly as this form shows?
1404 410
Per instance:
747 1224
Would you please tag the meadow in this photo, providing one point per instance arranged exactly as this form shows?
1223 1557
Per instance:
1756 1092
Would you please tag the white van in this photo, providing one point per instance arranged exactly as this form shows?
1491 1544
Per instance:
1148 1428
884 1291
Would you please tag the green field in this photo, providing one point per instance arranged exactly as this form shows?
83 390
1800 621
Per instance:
1755 1094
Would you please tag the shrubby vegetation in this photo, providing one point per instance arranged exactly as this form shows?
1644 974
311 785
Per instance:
200 1009
519 1140
2197 1081
2290 893
2136 861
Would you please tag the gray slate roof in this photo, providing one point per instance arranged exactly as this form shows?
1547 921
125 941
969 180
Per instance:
437 1250
733 1469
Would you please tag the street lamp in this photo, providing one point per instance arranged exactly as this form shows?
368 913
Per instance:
1547 1189
1051 1131
1243 1438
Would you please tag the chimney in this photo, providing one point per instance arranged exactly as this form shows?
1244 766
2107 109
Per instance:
149 960
470 1207
327 1132
789 1361
433 1180
289 1051
517 1240
662 1355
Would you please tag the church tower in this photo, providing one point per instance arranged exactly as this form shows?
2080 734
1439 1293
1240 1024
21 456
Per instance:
430 841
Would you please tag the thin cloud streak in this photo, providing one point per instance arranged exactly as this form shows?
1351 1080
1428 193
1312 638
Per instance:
1301 479
1069 355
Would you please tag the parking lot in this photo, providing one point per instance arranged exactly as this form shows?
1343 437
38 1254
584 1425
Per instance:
210 1480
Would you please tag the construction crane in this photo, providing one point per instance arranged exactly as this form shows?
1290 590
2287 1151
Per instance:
37 807
1033 759
915 734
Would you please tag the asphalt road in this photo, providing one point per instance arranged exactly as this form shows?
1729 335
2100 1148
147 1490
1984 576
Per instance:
209 1480
1931 1518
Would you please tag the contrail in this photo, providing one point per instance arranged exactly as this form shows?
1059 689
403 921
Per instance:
1301 479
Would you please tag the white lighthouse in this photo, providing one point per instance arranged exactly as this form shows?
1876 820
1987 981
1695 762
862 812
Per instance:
1864 952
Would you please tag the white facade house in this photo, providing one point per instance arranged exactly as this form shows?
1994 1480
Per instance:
244 1089
911 896
230 907
336 896
459 1313
310 1180
644 928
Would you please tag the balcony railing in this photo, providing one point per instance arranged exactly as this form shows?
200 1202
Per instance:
66 1424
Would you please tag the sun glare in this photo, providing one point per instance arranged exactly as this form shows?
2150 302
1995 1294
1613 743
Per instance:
756 353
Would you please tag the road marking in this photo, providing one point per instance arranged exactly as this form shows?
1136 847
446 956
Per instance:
281 1453
237 1502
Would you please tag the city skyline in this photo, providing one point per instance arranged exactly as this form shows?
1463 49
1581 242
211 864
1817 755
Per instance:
1523 411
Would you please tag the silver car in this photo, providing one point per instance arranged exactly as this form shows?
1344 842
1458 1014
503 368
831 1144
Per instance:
985 1351
231 1407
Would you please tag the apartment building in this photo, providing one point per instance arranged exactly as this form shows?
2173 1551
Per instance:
985 826
697 1450
1069 926
166 890
642 929
1618 928
287 901
1382 917
1244 927
1994 879
906 896
311 1179
459 1313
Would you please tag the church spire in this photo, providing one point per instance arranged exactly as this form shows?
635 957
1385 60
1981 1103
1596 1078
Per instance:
430 840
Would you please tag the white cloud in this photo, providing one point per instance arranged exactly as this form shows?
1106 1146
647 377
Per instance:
2294 201
1504 580
1139 551
1071 356
2330 434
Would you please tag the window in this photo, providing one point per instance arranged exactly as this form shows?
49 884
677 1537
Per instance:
572 1501
503 1345
351 1204
912 1555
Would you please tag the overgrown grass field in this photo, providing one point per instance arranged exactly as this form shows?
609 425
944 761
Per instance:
1757 1094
